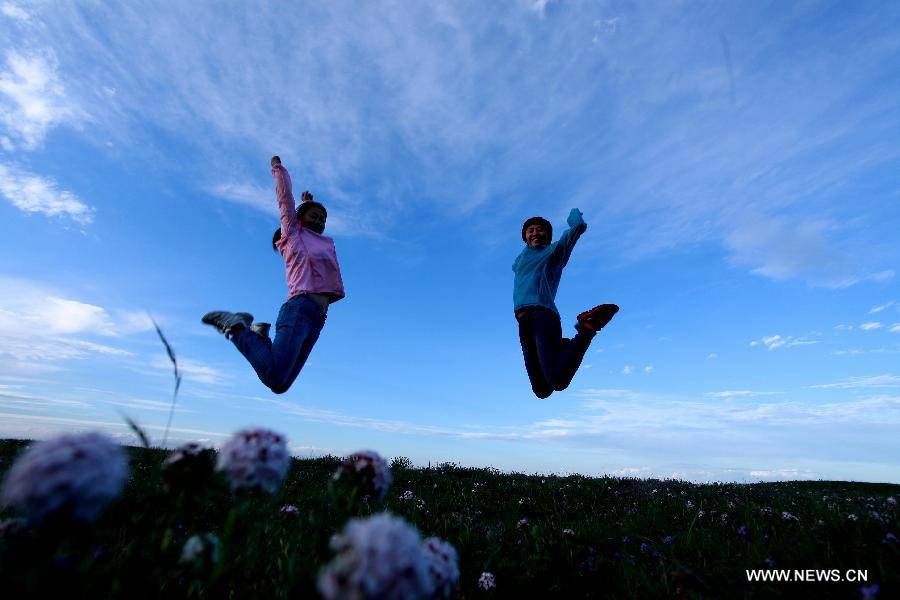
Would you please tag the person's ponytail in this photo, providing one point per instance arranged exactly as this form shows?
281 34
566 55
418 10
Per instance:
275 238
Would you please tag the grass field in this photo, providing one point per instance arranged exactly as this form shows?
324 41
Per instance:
553 536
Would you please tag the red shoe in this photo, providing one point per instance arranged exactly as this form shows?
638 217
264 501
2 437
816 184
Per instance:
596 318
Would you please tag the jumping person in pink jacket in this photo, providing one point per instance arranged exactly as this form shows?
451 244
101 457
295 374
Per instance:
314 282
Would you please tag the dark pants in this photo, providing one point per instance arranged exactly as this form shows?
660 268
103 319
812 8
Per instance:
550 359
278 362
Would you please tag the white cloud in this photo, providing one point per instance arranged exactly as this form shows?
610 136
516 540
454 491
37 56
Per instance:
648 369
843 327
32 98
632 472
773 342
540 6
784 474
254 196
14 12
604 27
128 322
31 426
37 326
856 351
781 250
34 194
151 405
882 307
712 356
604 393
738 394
25 307
439 94
192 370
895 328
871 325
863 382
626 370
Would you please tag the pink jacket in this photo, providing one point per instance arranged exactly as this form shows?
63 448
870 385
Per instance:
310 260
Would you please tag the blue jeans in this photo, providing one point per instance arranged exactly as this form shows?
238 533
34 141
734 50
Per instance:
550 359
278 362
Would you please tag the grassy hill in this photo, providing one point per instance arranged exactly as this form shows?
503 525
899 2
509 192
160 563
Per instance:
557 536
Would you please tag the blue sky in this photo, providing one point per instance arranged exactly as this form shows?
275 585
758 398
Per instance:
737 165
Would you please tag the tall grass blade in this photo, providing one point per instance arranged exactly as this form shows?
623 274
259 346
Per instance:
138 431
177 373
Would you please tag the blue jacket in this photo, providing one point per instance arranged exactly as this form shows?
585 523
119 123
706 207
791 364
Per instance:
538 270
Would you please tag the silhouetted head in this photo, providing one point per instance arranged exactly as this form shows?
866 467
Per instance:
312 215
537 232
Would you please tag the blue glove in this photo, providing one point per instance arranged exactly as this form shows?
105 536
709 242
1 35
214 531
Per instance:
575 219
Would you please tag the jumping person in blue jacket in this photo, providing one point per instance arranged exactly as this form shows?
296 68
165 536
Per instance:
550 359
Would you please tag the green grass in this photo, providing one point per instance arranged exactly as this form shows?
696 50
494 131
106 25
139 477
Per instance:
133 550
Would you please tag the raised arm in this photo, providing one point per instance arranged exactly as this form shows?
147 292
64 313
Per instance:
283 192
567 240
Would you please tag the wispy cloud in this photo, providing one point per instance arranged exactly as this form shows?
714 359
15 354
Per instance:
784 474
34 194
871 326
14 12
774 342
24 304
254 196
39 326
539 6
14 399
862 382
882 307
475 122
151 405
32 426
627 370
32 97
193 370
739 394
857 351
895 328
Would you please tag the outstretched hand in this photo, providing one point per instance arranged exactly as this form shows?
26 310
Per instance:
276 161
306 196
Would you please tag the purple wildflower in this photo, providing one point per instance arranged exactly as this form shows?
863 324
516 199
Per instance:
869 592
377 557
487 581
71 476
368 470
255 458
203 548
443 565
